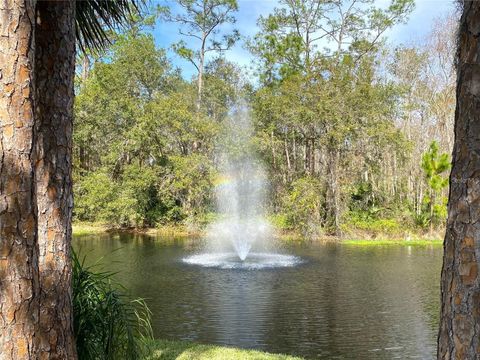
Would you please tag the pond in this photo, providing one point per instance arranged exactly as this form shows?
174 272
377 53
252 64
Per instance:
342 301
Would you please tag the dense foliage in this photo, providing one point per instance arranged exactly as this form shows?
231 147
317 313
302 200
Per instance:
107 325
341 123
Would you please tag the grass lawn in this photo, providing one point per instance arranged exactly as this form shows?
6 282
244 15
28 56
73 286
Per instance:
183 350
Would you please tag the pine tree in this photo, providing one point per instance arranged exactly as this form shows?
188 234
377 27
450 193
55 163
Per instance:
434 165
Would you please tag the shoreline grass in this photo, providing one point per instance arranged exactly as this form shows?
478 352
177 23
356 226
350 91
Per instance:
387 242
81 228
359 239
184 350
84 228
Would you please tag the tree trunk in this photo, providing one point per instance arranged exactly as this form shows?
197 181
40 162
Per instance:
19 304
287 156
312 156
85 68
432 206
294 152
308 157
82 157
200 84
274 155
333 191
200 73
459 335
54 66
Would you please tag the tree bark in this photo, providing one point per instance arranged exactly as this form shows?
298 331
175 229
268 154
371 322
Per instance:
312 156
55 64
459 334
333 191
274 155
307 156
287 156
19 305
294 152
201 66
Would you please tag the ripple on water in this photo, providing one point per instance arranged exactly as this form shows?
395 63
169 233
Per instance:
254 261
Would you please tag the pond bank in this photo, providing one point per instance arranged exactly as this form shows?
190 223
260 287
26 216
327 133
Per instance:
359 239
83 228
183 350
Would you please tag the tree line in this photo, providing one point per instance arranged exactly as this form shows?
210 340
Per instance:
341 118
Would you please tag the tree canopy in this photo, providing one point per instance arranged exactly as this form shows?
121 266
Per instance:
341 120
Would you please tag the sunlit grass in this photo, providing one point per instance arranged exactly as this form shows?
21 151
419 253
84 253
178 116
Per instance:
385 242
87 228
182 350
80 228
173 230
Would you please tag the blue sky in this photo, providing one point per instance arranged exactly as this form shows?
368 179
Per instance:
417 27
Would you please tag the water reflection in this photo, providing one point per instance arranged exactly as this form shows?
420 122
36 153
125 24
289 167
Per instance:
344 302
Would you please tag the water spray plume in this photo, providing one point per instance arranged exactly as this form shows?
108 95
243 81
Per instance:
241 187
240 190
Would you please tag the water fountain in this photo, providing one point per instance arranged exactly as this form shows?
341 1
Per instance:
241 237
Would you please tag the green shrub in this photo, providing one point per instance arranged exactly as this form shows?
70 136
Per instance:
93 193
431 214
422 220
99 198
107 324
130 200
205 219
280 221
379 225
302 206
363 221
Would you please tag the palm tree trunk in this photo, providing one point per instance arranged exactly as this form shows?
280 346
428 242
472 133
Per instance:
19 305
54 67
459 335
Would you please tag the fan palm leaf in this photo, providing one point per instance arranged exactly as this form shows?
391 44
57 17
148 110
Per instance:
94 18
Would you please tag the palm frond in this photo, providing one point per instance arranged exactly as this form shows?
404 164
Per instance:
94 18
107 323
